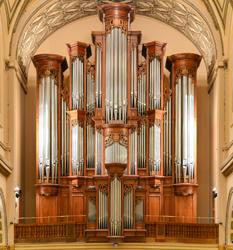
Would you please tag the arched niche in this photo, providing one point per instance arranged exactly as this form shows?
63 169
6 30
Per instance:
229 219
3 220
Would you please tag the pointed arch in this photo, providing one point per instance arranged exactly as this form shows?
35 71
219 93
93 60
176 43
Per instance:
3 220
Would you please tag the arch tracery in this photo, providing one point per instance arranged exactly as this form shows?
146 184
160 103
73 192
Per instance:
52 15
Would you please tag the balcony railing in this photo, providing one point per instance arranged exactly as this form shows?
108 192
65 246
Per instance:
74 228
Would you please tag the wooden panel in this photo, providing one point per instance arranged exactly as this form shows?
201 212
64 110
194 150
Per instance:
77 206
154 205
168 207
46 208
63 203
185 208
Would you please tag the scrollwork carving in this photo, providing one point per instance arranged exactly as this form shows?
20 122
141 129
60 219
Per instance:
109 140
123 140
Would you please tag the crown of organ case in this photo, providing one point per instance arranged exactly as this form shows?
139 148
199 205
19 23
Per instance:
116 144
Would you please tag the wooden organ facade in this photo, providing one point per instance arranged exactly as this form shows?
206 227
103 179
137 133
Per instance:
116 145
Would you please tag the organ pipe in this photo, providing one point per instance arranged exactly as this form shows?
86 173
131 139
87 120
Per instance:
49 72
103 208
133 153
98 77
154 84
116 76
116 153
183 68
77 149
142 147
154 149
98 150
90 146
115 216
128 208
167 139
141 104
90 89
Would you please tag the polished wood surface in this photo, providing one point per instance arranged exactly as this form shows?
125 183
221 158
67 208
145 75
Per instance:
158 194
158 231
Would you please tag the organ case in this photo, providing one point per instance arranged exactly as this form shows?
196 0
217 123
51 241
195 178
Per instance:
124 157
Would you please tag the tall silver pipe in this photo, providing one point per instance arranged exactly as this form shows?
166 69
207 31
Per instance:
108 79
111 73
47 118
185 125
41 133
55 132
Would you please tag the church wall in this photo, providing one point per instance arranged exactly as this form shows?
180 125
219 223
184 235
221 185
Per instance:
227 127
80 30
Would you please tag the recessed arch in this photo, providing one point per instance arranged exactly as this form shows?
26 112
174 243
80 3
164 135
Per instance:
3 220
229 219
52 15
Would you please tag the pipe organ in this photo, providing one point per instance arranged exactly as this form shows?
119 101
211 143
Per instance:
116 144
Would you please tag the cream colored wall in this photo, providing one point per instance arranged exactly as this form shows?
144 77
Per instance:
151 30
12 126
226 128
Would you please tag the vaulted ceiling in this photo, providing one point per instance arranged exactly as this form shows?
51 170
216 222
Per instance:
30 22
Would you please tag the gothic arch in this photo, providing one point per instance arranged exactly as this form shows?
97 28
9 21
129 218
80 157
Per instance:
229 219
52 15
3 219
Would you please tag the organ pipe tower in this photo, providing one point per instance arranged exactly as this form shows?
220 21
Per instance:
116 144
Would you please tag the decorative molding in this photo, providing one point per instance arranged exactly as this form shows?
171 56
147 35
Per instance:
223 64
5 147
5 167
228 146
10 10
185 19
227 166
53 16
20 73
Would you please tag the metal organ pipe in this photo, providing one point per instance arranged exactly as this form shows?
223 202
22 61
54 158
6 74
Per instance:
103 209
142 147
98 150
64 143
90 91
116 153
116 75
133 91
90 146
48 155
167 139
142 93
154 149
98 76
133 150
42 138
128 208
184 130
77 84
115 217
154 83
